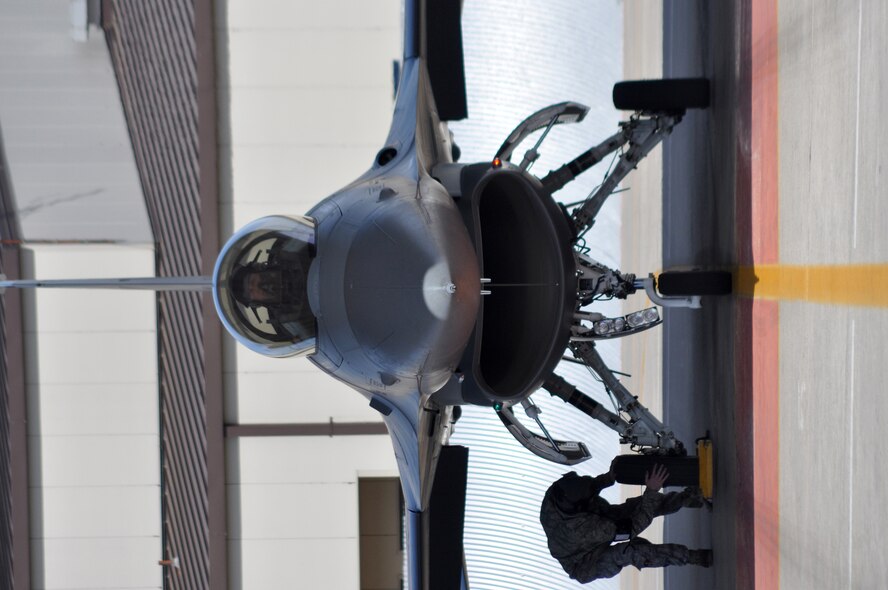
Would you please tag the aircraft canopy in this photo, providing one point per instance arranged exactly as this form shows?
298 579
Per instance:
259 286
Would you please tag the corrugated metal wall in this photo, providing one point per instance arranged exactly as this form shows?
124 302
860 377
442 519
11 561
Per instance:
6 480
5 475
162 52
14 557
6 558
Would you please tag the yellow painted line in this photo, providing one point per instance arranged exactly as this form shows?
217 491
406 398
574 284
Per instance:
863 285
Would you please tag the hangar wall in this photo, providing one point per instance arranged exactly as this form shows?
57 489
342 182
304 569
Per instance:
90 516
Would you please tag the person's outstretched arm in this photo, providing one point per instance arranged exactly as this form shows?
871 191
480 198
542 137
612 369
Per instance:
605 480
644 514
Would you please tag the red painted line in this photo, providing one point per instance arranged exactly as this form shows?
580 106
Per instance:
766 437
757 342
764 133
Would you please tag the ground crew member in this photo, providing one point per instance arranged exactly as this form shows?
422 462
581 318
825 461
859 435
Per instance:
594 539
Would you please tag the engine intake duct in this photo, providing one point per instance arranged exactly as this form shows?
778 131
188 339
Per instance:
523 244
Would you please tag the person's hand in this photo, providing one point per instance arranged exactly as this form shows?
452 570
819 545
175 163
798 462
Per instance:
655 478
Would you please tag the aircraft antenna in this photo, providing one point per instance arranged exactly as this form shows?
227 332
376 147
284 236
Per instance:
194 283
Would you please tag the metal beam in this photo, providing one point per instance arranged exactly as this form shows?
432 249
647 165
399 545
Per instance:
16 426
14 412
208 169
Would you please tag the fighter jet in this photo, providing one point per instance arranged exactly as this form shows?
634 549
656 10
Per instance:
427 284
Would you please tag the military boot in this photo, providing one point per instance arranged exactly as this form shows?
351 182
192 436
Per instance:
701 557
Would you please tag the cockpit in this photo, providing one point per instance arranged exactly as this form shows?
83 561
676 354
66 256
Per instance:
260 286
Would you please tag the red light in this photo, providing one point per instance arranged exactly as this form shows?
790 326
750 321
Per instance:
497 163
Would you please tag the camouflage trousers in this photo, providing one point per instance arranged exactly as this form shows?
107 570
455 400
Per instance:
638 552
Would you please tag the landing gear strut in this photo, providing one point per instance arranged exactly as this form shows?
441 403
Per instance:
659 106
639 428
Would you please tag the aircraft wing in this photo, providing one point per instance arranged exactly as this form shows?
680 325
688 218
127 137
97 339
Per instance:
432 31
433 479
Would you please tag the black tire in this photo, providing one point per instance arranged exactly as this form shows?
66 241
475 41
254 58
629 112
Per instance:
695 282
677 94
631 469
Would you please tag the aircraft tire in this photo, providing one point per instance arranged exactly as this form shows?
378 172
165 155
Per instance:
671 95
631 469
695 282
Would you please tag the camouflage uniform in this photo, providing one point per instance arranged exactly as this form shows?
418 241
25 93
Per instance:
581 527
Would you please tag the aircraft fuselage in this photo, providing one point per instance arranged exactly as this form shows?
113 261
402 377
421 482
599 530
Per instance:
395 286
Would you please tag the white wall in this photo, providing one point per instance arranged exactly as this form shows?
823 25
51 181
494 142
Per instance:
91 357
91 379
293 508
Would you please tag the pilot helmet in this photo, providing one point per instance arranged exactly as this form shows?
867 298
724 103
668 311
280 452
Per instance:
263 284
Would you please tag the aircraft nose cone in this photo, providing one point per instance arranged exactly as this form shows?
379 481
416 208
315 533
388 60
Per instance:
413 286
438 290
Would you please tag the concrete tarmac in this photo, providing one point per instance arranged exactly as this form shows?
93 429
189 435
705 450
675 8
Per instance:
833 522
780 177
698 232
